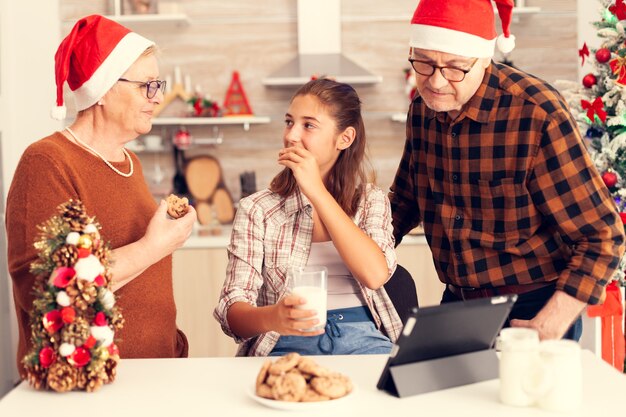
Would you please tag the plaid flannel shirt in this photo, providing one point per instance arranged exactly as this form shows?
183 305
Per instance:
271 234
507 192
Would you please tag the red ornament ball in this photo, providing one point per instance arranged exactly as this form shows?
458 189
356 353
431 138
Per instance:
623 217
609 178
589 80
603 55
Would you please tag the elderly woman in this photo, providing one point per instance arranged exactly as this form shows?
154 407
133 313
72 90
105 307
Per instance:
113 74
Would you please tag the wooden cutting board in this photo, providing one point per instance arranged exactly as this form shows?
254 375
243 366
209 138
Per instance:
224 207
203 174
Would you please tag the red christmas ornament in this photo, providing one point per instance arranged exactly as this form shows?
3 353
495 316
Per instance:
62 276
80 357
47 357
68 314
52 321
589 80
609 178
623 217
603 55
83 252
100 319
90 342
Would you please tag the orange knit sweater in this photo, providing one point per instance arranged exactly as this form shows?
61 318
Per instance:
50 172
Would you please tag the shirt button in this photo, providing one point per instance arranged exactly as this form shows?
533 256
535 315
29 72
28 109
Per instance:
455 177
454 135
458 256
457 217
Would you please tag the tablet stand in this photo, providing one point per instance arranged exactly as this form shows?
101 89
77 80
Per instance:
441 373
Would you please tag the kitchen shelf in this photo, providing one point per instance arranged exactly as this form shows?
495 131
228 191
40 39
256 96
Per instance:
149 20
146 21
245 121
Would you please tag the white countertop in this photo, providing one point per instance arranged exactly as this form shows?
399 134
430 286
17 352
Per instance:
220 386
223 239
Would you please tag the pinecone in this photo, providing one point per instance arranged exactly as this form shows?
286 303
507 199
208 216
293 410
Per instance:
111 369
103 253
36 376
65 255
77 332
81 379
73 212
96 378
83 294
62 377
117 320
94 384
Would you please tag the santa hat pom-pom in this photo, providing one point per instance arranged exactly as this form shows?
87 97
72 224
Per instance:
58 112
506 45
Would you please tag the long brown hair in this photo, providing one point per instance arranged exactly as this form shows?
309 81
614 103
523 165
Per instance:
348 176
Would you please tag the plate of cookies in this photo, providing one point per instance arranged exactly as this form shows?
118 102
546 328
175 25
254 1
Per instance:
295 382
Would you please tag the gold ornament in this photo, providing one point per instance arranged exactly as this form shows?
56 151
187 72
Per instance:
62 377
85 242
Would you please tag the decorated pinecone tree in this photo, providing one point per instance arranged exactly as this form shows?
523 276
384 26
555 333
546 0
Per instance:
74 317
599 104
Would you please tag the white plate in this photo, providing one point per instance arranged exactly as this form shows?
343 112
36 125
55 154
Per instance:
299 406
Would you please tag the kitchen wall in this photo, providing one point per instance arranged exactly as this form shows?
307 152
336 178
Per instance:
256 38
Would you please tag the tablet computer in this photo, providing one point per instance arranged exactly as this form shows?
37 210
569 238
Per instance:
447 330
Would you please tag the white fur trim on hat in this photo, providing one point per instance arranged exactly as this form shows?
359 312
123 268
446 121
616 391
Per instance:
505 45
58 112
114 66
451 41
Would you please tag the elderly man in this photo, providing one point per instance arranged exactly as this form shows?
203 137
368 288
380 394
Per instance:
496 171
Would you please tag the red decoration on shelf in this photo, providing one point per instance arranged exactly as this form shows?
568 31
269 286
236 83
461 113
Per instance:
622 216
618 66
603 55
47 357
597 107
236 101
182 139
609 178
589 80
583 52
619 10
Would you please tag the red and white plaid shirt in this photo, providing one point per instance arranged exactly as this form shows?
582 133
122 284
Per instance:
271 234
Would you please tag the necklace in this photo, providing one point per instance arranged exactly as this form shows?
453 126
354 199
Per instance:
117 171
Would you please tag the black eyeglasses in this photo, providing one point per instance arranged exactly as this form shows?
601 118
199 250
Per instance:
451 74
151 86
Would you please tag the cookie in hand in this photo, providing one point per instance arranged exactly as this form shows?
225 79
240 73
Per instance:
177 207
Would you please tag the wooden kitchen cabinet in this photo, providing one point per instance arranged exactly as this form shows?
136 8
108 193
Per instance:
199 275
198 278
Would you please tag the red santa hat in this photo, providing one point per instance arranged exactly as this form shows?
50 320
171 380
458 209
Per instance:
462 27
95 54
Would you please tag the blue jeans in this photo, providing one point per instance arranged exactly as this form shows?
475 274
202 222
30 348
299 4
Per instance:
349 331
527 306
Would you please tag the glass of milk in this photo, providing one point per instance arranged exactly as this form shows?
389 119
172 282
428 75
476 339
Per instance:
310 283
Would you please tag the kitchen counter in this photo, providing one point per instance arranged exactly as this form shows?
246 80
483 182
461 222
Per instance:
221 386
221 241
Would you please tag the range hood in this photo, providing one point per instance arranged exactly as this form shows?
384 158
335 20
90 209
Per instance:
319 49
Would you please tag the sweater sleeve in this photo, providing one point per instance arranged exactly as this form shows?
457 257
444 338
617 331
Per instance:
39 185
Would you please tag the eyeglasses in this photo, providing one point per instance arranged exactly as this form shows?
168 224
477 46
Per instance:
151 86
451 74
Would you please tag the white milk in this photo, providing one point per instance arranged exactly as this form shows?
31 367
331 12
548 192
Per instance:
316 299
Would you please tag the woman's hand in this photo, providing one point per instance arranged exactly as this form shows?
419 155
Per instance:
304 167
288 320
164 235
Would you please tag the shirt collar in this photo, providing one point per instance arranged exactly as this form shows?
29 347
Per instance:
296 202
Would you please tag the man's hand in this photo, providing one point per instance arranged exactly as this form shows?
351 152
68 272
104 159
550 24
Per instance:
555 317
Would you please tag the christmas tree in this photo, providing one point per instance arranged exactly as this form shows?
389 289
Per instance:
74 316
599 104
